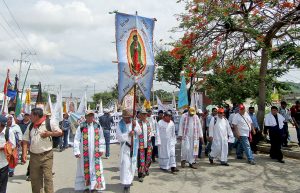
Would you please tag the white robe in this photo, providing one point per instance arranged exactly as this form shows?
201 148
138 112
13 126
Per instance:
190 139
220 133
128 165
80 181
166 141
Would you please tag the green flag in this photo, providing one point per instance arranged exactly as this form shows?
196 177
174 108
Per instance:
18 106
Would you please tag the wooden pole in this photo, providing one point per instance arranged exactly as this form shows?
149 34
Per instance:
133 116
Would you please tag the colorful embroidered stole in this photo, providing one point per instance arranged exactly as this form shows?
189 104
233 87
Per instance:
86 159
145 164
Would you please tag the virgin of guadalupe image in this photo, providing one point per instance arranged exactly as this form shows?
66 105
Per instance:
135 53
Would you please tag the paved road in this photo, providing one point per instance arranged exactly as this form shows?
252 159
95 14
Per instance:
267 176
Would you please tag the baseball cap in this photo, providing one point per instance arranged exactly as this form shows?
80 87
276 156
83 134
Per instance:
220 110
88 112
241 107
3 119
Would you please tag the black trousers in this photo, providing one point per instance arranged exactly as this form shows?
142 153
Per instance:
255 140
276 141
285 134
3 179
155 149
141 175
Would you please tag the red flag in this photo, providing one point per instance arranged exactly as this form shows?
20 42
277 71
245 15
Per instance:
7 82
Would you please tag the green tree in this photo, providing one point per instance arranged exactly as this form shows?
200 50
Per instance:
237 30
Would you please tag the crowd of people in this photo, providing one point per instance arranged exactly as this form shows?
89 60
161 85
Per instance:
144 138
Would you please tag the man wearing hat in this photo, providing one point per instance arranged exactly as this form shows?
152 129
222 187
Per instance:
190 132
106 121
242 126
5 136
219 133
89 146
166 141
145 146
41 154
127 134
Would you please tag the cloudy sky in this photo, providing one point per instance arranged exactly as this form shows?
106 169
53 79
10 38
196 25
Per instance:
73 40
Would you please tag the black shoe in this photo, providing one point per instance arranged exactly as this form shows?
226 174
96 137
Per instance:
193 166
164 170
10 174
141 179
126 189
252 162
281 161
224 164
211 160
238 157
147 173
174 169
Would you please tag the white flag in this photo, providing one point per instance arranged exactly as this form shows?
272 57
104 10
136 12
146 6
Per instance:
174 101
160 106
83 105
57 113
101 107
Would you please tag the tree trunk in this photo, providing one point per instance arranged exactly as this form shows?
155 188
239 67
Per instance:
262 87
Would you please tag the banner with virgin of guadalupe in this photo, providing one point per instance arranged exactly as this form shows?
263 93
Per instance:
134 41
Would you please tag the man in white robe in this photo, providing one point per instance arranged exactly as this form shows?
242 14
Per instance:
190 132
127 135
220 134
89 146
166 141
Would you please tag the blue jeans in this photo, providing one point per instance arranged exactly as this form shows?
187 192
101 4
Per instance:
244 145
107 142
66 135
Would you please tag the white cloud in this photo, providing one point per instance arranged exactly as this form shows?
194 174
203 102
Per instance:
73 40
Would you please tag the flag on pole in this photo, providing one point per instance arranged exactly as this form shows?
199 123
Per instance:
134 41
27 107
147 104
101 107
49 107
39 99
174 101
4 109
182 97
57 113
18 106
83 105
160 106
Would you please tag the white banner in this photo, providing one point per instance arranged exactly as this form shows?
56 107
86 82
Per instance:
113 132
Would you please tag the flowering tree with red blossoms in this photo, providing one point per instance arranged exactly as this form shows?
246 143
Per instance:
222 33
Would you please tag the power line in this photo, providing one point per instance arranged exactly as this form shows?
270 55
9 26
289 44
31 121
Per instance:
13 17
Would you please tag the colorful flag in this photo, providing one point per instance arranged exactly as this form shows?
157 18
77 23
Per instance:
27 107
134 41
182 97
4 109
147 104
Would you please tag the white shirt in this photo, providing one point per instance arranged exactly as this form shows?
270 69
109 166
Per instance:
3 161
243 124
145 131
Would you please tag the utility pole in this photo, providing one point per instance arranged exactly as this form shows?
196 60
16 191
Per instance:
21 60
25 80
